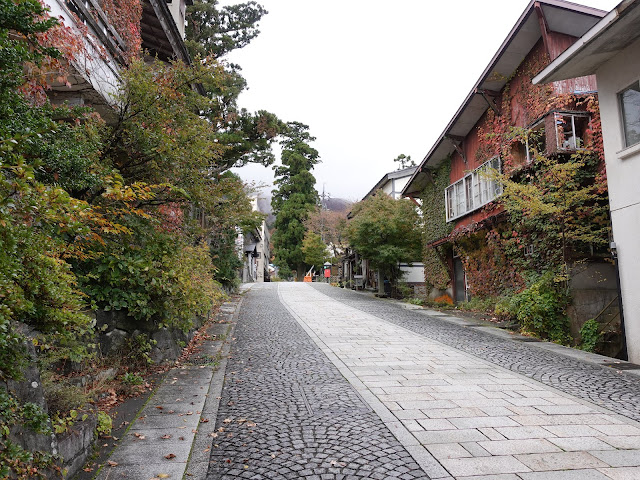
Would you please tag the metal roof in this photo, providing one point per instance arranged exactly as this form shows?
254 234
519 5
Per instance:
562 17
616 31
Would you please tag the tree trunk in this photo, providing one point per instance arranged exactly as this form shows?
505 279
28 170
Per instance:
300 271
380 283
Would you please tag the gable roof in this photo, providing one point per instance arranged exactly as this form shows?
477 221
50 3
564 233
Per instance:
402 173
561 17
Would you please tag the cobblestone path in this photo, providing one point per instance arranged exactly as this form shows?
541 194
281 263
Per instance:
286 411
615 390
329 384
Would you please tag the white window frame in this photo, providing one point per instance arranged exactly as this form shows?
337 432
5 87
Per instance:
574 142
625 135
473 191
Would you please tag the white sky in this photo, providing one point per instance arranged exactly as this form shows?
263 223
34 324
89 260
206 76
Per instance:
372 79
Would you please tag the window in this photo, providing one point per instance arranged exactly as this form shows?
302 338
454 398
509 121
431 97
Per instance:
473 191
629 100
570 130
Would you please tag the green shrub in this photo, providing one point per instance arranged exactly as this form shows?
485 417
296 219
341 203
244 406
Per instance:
132 379
104 424
590 335
539 309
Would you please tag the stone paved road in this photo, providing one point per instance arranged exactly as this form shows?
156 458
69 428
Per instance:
355 388
286 411
615 390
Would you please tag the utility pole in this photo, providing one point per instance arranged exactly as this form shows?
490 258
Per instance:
323 206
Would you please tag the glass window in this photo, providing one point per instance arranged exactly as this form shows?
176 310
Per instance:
473 191
630 107
570 130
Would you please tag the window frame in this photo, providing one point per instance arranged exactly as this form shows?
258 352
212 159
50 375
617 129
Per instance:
472 191
623 123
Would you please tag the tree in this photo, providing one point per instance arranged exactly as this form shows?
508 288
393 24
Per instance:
404 161
330 226
214 30
386 232
314 250
294 198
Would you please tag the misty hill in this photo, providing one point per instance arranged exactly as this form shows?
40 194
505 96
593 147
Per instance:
333 204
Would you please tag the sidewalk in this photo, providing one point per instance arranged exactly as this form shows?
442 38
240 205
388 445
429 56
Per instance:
172 434
463 417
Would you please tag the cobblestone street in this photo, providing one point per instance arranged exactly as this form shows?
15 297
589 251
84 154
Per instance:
324 383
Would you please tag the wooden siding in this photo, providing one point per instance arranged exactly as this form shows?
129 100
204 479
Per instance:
558 43
521 116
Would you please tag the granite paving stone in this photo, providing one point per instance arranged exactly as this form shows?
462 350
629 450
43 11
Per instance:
323 383
293 415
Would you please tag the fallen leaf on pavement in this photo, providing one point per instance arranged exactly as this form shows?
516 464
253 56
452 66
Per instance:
163 475
169 456
111 463
166 437
227 420
204 420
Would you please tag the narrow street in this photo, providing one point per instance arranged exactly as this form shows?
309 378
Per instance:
325 383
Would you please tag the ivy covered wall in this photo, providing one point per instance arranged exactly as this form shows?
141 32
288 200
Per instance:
435 226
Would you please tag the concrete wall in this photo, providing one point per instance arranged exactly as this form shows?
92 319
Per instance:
593 286
623 175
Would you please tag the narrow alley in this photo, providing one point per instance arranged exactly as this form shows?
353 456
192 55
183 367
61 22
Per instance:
326 383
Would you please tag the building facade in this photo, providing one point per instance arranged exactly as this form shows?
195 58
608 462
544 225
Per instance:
610 51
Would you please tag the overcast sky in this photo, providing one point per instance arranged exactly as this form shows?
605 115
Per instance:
372 79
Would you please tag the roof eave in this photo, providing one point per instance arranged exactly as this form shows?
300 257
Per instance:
559 68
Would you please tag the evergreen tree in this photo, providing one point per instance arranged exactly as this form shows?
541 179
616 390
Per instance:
294 198
215 30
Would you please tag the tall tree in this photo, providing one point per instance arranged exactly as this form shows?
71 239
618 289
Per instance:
385 231
215 30
404 161
212 32
294 198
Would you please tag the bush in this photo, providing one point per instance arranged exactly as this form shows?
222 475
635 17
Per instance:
590 335
539 309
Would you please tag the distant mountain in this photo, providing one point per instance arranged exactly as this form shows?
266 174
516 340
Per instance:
333 204
338 204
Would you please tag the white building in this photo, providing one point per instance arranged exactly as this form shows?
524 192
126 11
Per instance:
254 250
611 51
391 184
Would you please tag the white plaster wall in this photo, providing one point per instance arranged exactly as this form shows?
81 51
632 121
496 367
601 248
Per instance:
103 75
386 188
623 176
400 183
178 9
413 273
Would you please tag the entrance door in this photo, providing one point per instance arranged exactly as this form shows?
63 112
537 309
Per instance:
459 281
